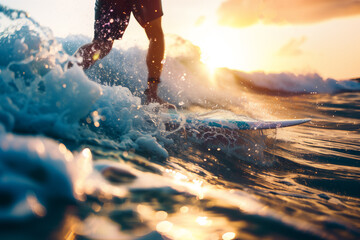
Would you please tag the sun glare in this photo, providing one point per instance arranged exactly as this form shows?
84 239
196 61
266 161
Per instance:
211 65
219 49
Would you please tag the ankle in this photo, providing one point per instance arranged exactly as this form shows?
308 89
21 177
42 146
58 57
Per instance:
153 80
152 86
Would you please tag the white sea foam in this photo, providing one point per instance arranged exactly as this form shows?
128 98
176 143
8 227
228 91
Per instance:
187 81
38 96
301 83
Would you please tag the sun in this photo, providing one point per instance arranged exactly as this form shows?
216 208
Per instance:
220 49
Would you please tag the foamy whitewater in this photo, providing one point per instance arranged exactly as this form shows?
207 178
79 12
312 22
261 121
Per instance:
82 158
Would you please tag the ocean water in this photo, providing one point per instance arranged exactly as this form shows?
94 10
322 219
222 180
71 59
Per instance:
81 158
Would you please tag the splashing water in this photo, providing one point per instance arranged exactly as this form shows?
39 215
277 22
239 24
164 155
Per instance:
82 179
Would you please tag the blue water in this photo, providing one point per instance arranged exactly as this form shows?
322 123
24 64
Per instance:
81 158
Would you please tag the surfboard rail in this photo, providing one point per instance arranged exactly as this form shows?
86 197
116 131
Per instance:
231 124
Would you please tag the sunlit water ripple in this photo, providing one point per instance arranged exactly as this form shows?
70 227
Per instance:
80 160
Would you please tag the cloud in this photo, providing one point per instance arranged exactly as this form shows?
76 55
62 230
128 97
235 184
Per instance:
243 13
292 48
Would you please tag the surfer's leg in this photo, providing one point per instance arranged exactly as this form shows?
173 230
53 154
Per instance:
148 13
155 60
111 20
88 54
156 51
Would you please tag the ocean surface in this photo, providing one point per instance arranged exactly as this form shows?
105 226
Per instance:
81 158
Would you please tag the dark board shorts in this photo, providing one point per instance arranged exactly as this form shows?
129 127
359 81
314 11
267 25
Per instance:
112 16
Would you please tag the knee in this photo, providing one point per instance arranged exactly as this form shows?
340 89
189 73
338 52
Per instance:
154 30
157 36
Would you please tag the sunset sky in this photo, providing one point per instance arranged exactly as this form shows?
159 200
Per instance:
299 36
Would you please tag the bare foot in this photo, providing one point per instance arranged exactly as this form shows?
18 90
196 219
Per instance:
154 98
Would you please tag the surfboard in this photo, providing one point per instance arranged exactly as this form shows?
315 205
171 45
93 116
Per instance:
233 123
